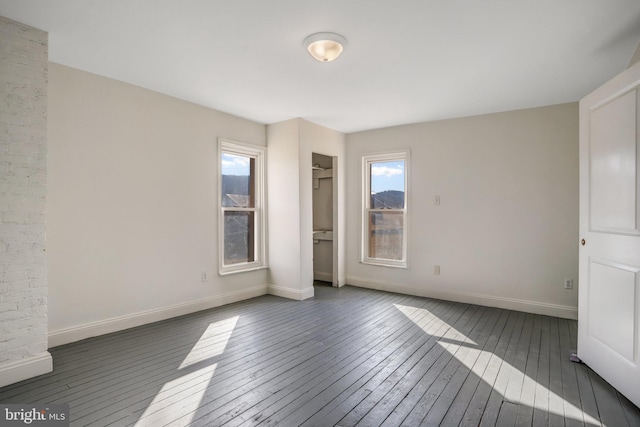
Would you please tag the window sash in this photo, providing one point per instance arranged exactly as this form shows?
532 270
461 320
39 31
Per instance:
386 235
248 199
388 255
240 250
248 252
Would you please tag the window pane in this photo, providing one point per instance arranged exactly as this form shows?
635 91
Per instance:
385 235
387 185
238 181
238 237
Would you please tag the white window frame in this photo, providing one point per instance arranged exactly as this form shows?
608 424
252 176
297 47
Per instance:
259 154
367 161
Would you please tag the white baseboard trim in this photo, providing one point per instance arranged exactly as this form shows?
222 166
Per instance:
93 329
563 311
14 371
289 293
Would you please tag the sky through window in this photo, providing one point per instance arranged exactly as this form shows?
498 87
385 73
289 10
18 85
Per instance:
387 176
235 165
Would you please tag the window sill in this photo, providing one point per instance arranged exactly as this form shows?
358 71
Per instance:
384 264
228 272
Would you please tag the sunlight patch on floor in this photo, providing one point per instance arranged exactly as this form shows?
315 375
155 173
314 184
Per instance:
462 349
212 342
178 398
181 397
515 396
430 327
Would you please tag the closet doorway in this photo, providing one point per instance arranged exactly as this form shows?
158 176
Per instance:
325 219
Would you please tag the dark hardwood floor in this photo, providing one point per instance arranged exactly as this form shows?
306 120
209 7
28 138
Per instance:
347 357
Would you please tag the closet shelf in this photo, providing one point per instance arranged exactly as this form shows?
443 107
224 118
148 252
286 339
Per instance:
322 234
319 173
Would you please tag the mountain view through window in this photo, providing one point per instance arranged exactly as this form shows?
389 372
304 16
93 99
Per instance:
386 209
238 201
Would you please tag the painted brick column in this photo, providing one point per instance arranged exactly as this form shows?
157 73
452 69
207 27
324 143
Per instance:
23 191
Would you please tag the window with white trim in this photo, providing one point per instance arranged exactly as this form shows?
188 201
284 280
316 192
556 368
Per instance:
384 213
241 206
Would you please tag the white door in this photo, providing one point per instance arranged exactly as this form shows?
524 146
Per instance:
609 293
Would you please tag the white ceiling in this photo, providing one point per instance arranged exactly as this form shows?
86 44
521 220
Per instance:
406 60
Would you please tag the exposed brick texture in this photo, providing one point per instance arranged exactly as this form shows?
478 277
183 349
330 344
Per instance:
23 190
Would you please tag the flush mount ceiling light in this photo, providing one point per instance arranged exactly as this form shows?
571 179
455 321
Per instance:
325 47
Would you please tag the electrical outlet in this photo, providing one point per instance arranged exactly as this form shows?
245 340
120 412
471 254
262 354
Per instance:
436 270
204 276
568 283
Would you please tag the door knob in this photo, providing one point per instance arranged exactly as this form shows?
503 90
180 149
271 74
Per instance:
583 242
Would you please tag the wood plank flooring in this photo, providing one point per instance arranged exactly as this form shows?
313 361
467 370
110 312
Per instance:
347 357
